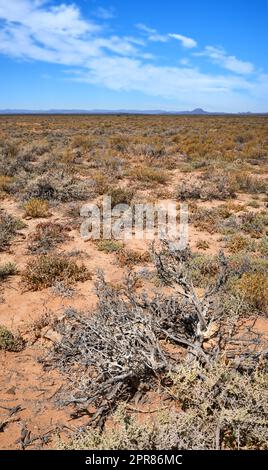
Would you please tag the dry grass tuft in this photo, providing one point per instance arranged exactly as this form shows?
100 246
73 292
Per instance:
36 208
45 270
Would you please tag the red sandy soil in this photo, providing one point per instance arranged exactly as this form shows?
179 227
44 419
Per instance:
23 381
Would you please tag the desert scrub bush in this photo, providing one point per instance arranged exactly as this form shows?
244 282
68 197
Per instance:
255 224
36 208
209 219
101 183
215 186
250 183
110 246
5 183
238 242
120 196
203 269
227 409
263 246
149 175
253 288
45 270
162 431
7 269
9 226
119 143
128 257
120 348
10 342
254 203
83 142
121 341
47 236
202 245
250 263
10 150
58 187
221 409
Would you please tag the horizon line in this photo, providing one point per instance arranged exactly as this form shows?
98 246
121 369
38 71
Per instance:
196 111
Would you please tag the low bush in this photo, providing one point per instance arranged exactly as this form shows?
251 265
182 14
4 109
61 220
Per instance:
209 219
36 208
110 246
47 236
45 270
7 269
253 288
10 342
217 408
59 187
215 186
149 175
238 243
255 224
120 196
263 246
119 143
250 183
215 393
202 245
127 257
5 183
9 226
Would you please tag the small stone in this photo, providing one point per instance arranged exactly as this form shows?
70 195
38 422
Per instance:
51 335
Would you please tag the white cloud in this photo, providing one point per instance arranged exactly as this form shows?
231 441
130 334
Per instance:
104 13
152 34
119 73
229 62
186 42
59 19
36 30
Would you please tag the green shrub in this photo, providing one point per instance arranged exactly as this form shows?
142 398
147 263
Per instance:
238 243
9 226
7 269
9 342
120 196
44 271
110 246
253 288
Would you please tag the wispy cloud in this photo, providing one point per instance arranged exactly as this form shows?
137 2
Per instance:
37 30
152 34
104 13
229 62
186 42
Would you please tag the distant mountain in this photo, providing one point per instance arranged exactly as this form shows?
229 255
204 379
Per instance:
98 111
197 111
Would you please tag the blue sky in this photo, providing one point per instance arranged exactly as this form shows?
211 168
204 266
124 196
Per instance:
172 54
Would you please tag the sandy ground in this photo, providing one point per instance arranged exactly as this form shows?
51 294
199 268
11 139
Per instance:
23 381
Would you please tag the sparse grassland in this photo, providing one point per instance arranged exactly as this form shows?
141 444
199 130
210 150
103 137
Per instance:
132 328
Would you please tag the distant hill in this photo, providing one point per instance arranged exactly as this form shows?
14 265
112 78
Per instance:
197 111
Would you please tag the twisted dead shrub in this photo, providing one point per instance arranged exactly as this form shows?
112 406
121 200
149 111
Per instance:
220 408
122 350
